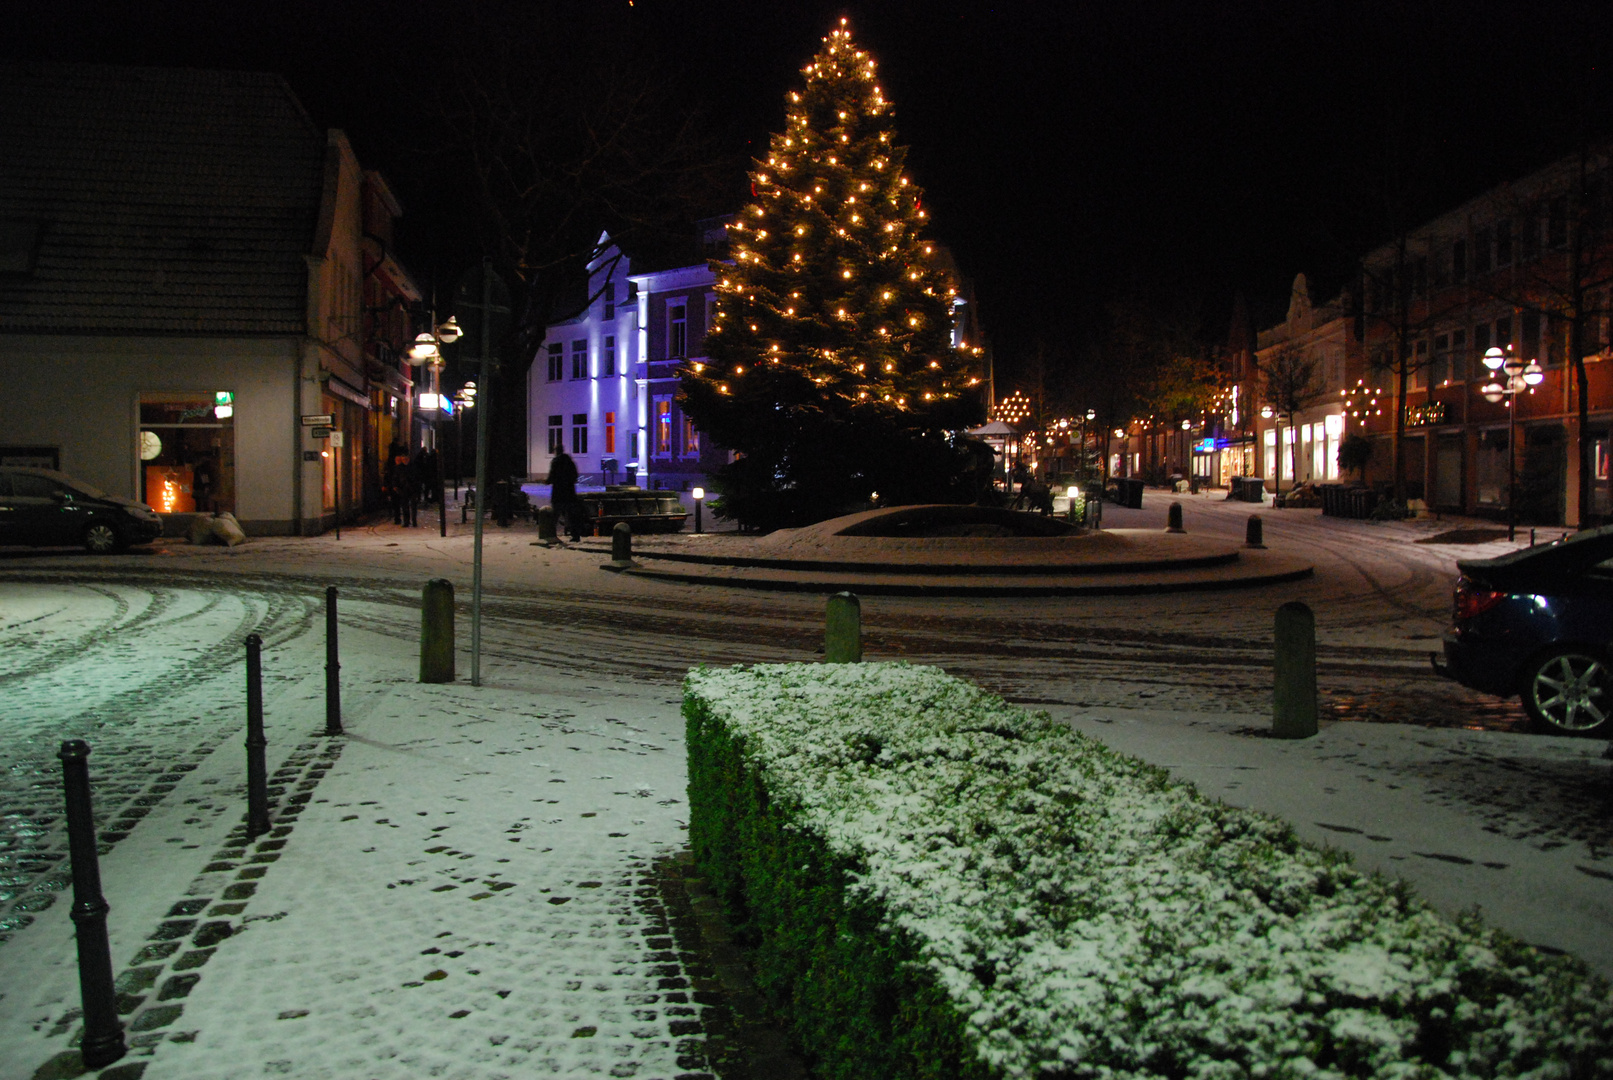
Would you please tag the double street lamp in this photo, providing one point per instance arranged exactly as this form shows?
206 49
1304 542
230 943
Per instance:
1519 376
427 351
464 399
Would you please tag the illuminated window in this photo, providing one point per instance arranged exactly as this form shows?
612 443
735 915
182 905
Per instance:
607 359
663 425
610 433
556 362
579 359
579 433
557 435
691 438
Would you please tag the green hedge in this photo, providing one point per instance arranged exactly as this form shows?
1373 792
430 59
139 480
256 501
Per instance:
936 884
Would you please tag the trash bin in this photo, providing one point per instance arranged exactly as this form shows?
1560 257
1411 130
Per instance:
1129 492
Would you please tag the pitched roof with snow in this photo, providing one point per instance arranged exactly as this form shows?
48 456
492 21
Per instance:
146 200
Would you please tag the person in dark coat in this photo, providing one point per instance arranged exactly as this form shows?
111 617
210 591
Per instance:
404 486
563 494
397 462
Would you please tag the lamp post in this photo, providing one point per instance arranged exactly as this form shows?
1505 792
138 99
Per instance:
466 399
1520 376
426 351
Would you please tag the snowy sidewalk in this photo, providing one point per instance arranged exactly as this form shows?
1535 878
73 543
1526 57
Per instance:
455 889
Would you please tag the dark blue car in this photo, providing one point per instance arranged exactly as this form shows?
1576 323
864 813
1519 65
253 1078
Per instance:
1539 623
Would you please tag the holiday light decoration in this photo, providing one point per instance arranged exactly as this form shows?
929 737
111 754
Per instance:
832 280
1362 400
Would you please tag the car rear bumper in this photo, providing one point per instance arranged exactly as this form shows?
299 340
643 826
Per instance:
1488 670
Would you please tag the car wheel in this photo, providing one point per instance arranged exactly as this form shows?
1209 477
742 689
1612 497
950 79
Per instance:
1569 691
101 538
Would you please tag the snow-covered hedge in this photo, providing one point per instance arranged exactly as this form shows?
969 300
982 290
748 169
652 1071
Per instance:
937 884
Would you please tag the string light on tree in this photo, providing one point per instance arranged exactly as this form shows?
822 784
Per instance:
856 331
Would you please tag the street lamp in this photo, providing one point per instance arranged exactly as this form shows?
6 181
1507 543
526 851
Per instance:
466 399
1519 377
426 352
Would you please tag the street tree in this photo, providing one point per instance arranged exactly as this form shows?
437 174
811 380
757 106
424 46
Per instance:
1290 382
830 369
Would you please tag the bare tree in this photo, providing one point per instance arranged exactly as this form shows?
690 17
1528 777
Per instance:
1563 276
1290 381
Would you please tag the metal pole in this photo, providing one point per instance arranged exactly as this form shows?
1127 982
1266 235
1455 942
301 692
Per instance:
442 487
1512 464
257 778
103 1034
484 392
333 667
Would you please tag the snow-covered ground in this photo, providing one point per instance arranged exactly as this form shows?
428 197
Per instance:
511 827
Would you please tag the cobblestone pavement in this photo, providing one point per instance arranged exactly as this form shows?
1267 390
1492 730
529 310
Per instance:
141 656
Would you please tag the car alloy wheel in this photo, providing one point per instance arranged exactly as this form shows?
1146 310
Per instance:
100 538
1569 691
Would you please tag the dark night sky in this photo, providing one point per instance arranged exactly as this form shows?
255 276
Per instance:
1178 147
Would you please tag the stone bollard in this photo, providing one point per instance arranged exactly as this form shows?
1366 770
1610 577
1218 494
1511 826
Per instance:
333 668
1173 518
103 1034
621 548
437 631
546 531
257 772
1294 694
843 630
1255 534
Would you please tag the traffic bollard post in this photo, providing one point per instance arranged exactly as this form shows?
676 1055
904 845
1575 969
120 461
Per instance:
437 632
1294 693
257 773
842 639
103 1033
333 667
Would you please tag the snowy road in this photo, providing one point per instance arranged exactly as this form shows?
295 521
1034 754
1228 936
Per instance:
141 656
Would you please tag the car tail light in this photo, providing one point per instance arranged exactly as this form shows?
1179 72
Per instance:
1474 599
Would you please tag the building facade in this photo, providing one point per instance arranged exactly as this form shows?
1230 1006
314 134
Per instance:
184 281
603 385
1307 353
1515 268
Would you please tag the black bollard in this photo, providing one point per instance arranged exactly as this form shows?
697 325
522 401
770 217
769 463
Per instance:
333 667
103 1034
698 528
546 525
1173 518
437 631
1255 535
1293 714
257 773
843 630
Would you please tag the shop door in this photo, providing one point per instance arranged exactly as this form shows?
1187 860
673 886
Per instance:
1448 473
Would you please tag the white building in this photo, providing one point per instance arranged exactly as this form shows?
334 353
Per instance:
604 383
1319 335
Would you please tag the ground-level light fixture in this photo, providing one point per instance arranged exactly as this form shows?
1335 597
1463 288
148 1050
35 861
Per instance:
699 496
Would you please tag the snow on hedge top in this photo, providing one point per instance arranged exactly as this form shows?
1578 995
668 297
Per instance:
1090 917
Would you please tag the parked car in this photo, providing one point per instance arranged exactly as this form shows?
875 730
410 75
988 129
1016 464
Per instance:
45 508
1539 623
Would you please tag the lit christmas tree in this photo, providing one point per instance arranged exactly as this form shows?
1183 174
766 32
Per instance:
830 366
